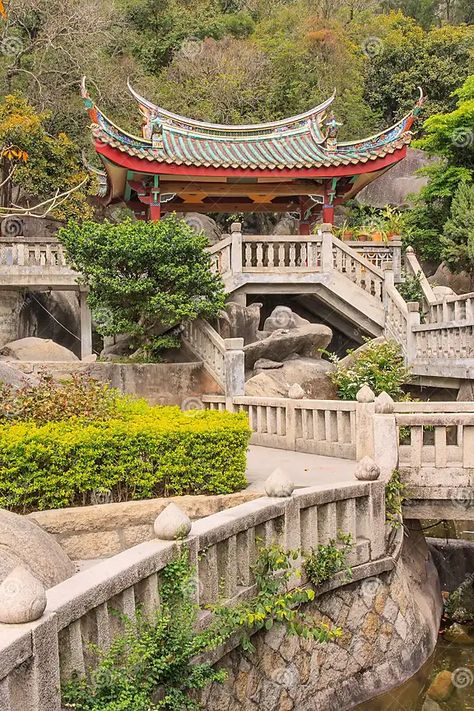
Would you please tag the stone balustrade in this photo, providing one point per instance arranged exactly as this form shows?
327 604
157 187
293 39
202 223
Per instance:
355 267
325 427
36 657
30 261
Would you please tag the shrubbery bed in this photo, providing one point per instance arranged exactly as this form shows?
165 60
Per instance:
138 452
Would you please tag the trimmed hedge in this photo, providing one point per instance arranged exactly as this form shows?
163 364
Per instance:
144 452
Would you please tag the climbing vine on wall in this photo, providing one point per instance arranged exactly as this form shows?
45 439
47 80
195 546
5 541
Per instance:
157 663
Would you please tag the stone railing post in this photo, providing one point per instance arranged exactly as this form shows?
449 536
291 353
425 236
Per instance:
388 282
385 436
236 248
413 321
365 412
86 324
397 259
327 259
234 369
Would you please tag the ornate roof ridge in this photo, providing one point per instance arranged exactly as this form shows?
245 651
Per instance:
168 117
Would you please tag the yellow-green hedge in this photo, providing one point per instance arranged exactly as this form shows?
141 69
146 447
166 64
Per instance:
143 453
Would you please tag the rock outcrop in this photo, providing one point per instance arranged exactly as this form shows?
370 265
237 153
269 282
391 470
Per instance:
303 341
311 374
9 375
36 349
459 283
237 321
23 543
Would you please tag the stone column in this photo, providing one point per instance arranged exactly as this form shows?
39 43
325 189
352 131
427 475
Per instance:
413 321
236 248
385 436
86 325
234 369
397 259
365 412
327 259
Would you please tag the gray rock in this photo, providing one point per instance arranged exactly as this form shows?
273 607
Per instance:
430 705
63 326
279 484
295 391
461 283
22 597
265 364
172 524
395 187
306 341
36 349
311 374
283 317
237 321
9 375
24 543
202 223
367 470
441 291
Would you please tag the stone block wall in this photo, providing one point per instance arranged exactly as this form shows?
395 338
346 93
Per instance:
11 303
390 626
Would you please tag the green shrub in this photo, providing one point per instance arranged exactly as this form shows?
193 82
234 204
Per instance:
143 452
51 400
381 366
395 492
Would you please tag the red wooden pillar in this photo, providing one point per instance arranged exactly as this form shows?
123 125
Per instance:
155 204
328 213
328 205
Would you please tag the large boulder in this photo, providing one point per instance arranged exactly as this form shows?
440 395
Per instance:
303 341
237 321
9 375
54 314
396 186
202 223
311 374
36 349
283 317
24 543
461 283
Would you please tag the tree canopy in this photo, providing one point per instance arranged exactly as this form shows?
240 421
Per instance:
144 276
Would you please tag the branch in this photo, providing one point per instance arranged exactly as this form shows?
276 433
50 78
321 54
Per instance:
49 204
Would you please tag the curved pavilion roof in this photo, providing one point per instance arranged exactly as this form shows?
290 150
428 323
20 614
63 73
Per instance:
301 141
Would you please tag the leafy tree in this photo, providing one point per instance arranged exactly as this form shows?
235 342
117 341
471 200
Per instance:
35 165
404 57
458 236
144 275
451 137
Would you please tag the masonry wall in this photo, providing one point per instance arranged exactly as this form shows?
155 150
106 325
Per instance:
11 303
390 626
160 383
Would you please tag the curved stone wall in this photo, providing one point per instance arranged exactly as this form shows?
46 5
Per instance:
390 626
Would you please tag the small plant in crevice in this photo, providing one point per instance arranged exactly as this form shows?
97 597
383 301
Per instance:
411 290
157 663
395 495
325 561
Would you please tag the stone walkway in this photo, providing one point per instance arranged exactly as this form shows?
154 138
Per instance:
303 469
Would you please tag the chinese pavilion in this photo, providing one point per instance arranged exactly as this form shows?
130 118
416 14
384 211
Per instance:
292 165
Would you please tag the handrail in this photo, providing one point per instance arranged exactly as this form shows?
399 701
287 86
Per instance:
357 257
414 269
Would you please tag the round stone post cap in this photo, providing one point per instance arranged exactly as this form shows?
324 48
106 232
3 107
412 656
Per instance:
22 597
279 484
172 524
365 394
384 403
367 470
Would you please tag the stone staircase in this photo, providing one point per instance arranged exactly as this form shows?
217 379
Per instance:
355 284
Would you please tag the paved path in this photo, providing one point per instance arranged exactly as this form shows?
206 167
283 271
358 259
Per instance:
303 469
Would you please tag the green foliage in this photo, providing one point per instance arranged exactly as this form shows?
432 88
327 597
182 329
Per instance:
394 497
458 235
460 604
51 400
325 561
451 137
410 288
381 366
48 164
142 452
143 274
153 665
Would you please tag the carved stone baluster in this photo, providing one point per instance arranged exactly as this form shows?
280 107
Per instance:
281 254
271 255
248 254
292 254
303 261
259 254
